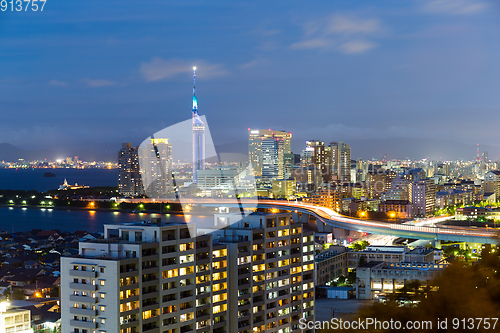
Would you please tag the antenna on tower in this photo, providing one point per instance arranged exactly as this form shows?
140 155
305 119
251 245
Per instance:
195 100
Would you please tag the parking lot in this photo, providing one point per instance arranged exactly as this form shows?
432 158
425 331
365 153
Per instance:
344 308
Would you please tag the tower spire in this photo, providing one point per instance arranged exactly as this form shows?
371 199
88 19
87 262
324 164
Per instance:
195 100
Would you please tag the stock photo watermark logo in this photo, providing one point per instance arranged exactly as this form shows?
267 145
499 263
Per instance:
180 164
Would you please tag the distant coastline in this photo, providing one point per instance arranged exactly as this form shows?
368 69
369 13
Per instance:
96 209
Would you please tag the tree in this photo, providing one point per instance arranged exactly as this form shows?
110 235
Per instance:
18 294
54 292
461 291
359 245
362 260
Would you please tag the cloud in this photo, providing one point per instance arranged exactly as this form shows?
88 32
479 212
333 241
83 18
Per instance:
454 7
254 63
99 83
341 33
58 83
346 25
356 46
159 69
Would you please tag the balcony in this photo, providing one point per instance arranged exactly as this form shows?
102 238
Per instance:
84 299
83 286
83 312
87 274
84 324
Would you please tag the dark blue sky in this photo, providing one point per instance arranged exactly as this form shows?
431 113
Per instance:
118 71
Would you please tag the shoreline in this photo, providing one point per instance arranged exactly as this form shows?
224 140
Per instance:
130 211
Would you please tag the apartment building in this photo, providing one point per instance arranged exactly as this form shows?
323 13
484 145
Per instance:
270 271
254 276
145 277
14 319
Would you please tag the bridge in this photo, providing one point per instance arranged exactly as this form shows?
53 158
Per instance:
334 219
331 218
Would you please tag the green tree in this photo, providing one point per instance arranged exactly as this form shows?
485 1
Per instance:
359 245
461 291
18 294
54 292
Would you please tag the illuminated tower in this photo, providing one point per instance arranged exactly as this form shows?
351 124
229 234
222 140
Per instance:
198 135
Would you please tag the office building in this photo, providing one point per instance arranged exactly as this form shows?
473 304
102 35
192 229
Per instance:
273 166
331 265
397 209
308 179
340 162
377 277
330 197
256 138
284 188
223 178
129 175
390 254
155 156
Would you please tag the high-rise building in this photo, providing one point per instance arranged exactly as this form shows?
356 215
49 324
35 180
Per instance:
340 163
308 179
422 194
398 190
289 160
485 157
251 275
198 135
319 157
273 166
270 272
306 157
378 182
256 139
283 188
144 277
156 167
491 185
129 175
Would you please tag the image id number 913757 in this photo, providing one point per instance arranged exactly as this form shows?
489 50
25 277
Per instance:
22 5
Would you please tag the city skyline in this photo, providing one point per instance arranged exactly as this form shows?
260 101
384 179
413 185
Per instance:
375 78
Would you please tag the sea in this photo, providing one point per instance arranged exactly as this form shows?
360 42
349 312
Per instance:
25 219
33 179
13 219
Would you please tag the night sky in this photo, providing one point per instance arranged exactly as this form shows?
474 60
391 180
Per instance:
119 71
